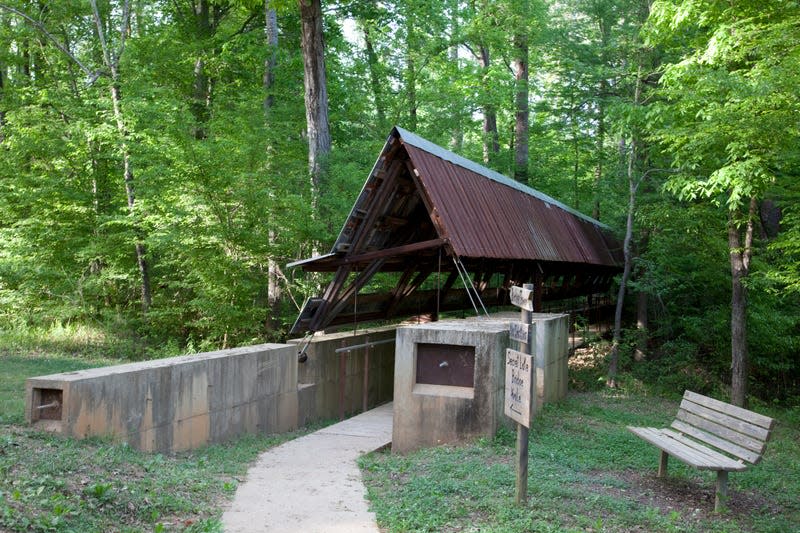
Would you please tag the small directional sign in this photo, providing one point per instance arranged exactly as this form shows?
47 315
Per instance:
518 331
518 387
522 298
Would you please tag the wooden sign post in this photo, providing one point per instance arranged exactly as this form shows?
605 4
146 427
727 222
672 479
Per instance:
519 375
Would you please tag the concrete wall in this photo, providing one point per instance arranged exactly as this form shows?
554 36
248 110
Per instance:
551 354
428 415
551 357
186 402
173 404
331 383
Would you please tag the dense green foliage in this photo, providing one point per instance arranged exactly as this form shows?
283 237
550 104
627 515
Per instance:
217 192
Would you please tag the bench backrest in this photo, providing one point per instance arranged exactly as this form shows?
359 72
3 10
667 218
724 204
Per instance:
736 431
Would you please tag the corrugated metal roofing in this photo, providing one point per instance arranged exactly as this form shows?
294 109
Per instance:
503 219
463 162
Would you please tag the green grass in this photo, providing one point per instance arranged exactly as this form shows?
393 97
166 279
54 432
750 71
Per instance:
586 473
51 483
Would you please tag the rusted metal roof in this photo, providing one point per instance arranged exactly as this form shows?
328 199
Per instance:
421 203
502 219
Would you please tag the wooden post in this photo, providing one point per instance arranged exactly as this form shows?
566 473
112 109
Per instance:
342 381
522 430
365 393
721 494
662 464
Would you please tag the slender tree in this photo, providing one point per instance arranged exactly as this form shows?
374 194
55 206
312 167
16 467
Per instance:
316 93
111 59
270 65
521 53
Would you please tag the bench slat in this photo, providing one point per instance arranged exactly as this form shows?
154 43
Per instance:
732 410
720 461
740 426
656 438
722 444
726 433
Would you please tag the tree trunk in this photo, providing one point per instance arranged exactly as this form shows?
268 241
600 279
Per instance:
200 90
375 79
2 102
112 63
740 253
521 112
642 298
491 139
605 37
626 270
601 138
141 252
576 151
270 64
633 186
316 93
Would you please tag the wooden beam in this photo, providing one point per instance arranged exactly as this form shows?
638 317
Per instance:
355 286
407 290
330 292
375 208
397 250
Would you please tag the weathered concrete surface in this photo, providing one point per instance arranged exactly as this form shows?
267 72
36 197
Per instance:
551 357
174 404
429 415
331 383
312 484
551 354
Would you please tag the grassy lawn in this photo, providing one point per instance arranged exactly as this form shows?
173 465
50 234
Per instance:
51 483
586 473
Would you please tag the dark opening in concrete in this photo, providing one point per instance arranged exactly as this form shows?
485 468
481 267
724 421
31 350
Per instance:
446 364
47 404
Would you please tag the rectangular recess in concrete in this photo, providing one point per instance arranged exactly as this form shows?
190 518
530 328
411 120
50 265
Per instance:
446 364
47 404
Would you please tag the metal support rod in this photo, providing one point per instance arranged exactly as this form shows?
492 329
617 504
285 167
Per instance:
342 382
359 346
49 405
365 393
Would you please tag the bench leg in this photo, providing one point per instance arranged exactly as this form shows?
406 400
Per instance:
662 464
721 496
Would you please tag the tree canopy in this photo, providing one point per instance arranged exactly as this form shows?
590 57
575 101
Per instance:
156 177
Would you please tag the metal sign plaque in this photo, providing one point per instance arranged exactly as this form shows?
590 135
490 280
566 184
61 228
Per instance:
518 386
522 298
518 331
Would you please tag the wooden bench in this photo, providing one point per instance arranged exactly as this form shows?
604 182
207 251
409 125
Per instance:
711 435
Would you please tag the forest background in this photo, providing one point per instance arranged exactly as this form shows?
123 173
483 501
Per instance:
160 164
